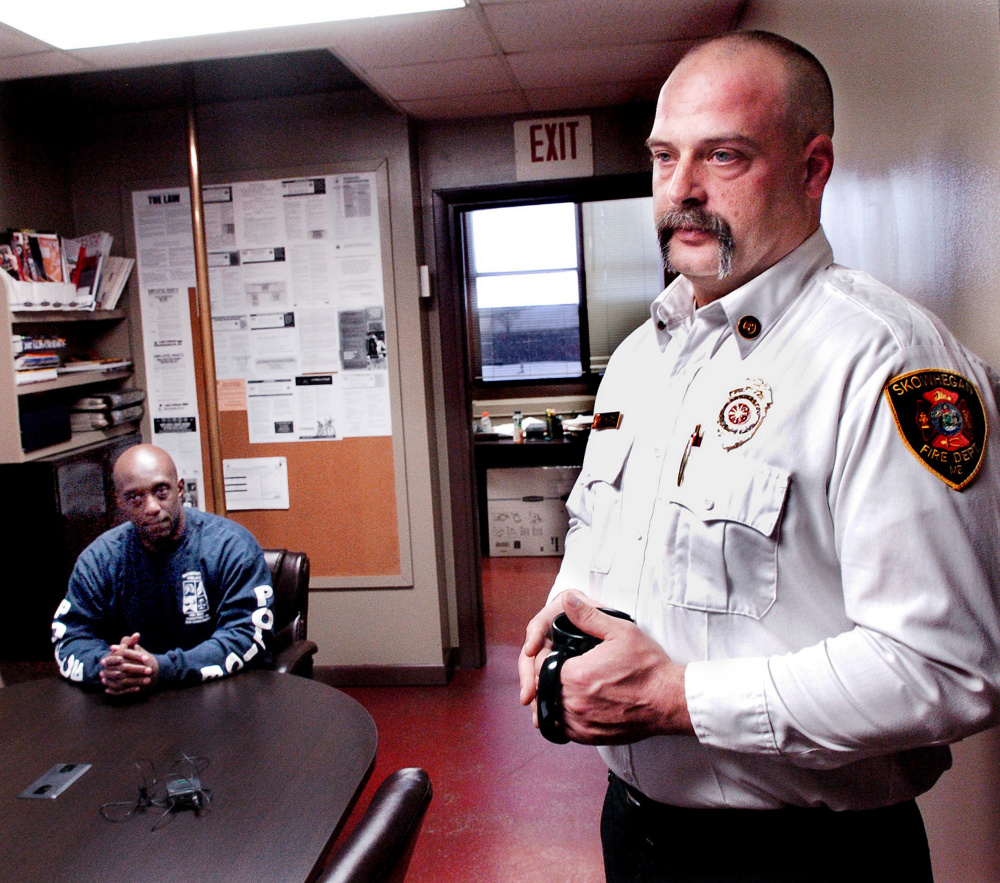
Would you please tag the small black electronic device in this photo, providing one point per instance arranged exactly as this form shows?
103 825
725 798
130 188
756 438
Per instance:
181 788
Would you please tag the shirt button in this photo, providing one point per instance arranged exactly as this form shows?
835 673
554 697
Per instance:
709 504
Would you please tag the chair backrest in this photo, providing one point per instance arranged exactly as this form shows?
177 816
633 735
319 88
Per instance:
290 581
379 848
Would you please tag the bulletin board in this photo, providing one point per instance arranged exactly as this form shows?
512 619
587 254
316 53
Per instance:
347 507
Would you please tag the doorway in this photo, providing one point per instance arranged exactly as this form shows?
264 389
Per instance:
461 385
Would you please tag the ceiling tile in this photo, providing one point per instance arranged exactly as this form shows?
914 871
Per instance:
563 68
553 24
433 36
470 76
15 42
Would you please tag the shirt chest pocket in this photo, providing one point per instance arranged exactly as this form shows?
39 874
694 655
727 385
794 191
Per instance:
722 531
601 482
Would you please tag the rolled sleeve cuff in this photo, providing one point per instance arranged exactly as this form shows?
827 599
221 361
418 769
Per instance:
725 699
166 672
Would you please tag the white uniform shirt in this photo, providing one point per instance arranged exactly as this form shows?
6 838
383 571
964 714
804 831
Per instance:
831 595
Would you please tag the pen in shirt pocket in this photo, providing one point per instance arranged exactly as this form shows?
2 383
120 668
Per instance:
693 442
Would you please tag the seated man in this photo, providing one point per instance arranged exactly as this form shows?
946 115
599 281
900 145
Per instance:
175 596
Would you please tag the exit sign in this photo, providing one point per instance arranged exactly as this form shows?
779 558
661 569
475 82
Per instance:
560 147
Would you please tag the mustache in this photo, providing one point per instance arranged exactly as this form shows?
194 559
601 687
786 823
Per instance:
696 218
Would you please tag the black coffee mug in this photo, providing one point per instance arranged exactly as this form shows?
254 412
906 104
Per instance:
567 641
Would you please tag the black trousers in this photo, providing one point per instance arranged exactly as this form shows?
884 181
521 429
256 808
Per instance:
649 842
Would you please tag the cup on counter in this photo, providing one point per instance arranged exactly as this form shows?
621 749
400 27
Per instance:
567 641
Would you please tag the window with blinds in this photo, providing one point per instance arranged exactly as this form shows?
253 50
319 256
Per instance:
553 288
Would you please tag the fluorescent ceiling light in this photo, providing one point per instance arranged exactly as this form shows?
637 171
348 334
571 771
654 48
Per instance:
114 22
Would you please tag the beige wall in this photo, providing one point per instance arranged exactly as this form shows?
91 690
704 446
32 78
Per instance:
914 200
34 171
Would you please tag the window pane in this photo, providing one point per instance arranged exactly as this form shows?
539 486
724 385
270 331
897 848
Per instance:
624 271
524 291
518 343
523 237
528 290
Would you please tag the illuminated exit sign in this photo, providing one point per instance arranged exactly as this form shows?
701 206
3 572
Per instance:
560 147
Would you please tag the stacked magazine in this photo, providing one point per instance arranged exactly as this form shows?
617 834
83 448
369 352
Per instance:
107 409
37 357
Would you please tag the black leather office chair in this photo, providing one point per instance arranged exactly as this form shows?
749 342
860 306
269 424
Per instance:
293 653
379 848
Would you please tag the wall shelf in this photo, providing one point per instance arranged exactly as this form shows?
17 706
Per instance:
66 381
37 317
103 334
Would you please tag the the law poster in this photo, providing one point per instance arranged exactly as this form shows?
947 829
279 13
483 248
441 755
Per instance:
165 266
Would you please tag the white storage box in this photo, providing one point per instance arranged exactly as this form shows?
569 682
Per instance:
526 509
23 296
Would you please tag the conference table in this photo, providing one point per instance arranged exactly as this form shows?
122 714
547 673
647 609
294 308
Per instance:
287 758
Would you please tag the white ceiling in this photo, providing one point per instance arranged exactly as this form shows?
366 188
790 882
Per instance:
492 57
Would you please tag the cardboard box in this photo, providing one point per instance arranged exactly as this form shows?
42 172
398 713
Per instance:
526 508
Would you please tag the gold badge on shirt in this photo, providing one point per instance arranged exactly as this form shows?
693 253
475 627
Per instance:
941 418
743 413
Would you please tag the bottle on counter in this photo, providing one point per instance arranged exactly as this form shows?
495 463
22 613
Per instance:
485 424
518 429
554 427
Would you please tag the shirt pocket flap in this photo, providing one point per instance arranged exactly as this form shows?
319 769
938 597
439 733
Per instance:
605 459
721 487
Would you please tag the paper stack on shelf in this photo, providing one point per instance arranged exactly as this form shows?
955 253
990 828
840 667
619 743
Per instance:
35 375
107 409
113 278
74 366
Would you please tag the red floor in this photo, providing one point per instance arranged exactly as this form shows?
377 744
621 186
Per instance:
508 806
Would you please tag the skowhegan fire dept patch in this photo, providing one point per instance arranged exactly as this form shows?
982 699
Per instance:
941 418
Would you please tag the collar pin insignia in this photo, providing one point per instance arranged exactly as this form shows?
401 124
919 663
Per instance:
749 327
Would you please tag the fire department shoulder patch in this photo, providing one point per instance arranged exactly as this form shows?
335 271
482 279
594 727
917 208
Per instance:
941 418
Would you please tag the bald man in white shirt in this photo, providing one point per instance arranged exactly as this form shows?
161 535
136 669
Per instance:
791 489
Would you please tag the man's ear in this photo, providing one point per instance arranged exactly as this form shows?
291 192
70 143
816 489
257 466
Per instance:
818 165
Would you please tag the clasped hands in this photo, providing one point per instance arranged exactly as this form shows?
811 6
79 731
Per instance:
128 668
624 690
